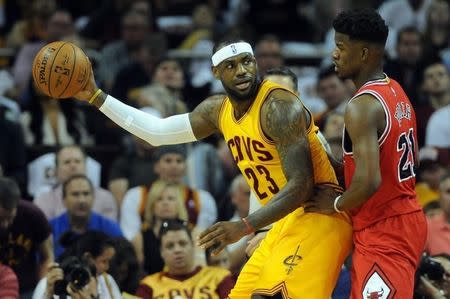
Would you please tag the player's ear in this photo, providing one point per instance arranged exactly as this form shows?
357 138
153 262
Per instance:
215 72
364 54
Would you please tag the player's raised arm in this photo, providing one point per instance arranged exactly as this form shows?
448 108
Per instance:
283 119
176 129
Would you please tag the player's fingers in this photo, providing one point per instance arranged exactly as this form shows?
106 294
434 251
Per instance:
208 230
219 248
210 238
211 243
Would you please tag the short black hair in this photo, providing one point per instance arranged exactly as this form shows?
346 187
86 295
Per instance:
284 71
225 42
74 177
362 24
174 225
408 29
9 193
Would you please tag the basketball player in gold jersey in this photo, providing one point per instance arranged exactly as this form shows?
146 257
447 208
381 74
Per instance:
273 139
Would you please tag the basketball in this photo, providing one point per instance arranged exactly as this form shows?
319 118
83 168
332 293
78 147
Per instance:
61 69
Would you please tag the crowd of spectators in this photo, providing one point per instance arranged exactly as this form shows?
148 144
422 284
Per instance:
77 189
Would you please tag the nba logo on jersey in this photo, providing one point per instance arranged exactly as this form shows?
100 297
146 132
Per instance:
233 49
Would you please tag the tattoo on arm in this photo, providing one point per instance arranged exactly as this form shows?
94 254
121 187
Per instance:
283 119
205 117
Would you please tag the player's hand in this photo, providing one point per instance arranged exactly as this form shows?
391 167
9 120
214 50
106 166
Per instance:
220 235
253 243
90 88
322 201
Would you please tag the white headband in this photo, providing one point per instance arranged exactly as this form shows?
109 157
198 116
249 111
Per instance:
230 51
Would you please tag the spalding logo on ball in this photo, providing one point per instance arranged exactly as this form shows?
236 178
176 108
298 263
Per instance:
61 70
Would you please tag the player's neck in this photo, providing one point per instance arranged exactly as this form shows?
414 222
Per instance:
240 107
368 75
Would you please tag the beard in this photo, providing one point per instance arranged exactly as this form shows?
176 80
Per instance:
242 97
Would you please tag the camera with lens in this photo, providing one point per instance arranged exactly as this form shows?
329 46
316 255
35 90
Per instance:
77 272
431 269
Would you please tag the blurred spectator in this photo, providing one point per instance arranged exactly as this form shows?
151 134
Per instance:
105 22
46 121
25 237
95 249
280 17
428 284
437 33
170 166
205 170
432 209
268 53
168 73
439 226
222 260
134 168
438 129
124 267
333 126
203 25
69 161
33 25
79 218
58 26
54 286
436 87
182 275
138 72
403 68
165 202
115 55
8 282
399 14
12 151
239 196
283 76
160 98
430 175
333 91
335 144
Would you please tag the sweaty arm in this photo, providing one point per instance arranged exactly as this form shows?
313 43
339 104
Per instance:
364 118
175 129
283 120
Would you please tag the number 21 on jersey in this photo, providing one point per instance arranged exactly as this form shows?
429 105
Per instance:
407 147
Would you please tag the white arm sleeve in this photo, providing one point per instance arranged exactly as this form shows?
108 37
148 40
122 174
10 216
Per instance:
156 131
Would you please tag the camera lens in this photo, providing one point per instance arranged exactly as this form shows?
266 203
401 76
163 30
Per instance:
78 277
431 269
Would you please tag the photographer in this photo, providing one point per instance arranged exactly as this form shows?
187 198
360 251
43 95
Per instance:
433 277
93 248
58 285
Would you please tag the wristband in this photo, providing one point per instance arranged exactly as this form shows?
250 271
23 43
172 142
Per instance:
335 205
248 227
96 94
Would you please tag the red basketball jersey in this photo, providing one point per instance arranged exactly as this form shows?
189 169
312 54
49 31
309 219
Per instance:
398 146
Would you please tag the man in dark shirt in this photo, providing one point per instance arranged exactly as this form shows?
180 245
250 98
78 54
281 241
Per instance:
25 237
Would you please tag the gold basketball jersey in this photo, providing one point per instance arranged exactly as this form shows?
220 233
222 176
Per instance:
201 285
256 155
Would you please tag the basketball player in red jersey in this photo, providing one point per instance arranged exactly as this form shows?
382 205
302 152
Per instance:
379 165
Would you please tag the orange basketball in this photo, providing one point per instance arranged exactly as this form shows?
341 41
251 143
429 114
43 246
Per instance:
61 69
